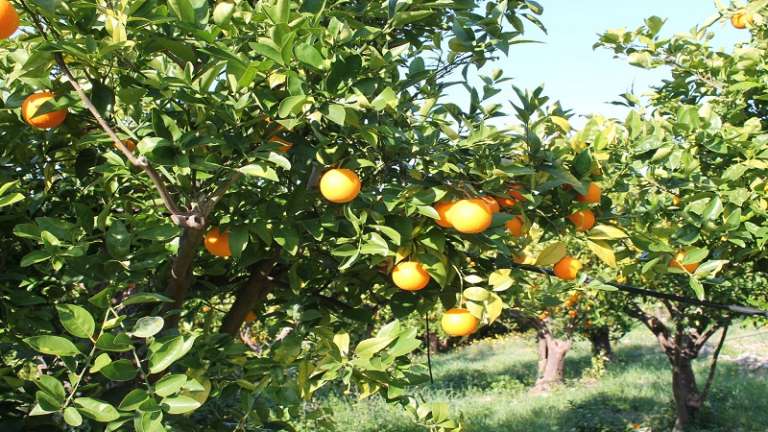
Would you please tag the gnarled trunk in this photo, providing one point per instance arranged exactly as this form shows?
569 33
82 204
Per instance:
686 392
601 343
552 354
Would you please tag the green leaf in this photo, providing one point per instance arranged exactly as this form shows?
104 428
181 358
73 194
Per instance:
120 370
308 54
147 326
606 232
114 342
133 400
552 254
51 386
697 288
713 209
35 257
336 114
13 198
180 404
183 10
291 105
72 417
476 294
52 345
100 361
259 169
222 13
170 384
76 320
603 250
163 354
386 98
147 298
97 410
287 237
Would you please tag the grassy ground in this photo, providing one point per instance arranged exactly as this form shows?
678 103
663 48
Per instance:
488 384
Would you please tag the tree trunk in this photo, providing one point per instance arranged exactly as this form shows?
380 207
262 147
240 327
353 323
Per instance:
249 297
687 397
180 277
601 343
552 354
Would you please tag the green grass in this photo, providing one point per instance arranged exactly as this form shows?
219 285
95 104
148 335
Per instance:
488 384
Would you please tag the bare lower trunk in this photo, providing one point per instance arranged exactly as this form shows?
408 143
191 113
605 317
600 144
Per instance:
180 278
601 343
552 354
687 397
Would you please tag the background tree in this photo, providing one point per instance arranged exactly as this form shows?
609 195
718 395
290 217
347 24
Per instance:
694 198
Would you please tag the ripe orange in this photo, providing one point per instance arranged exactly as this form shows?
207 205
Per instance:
572 314
678 259
42 121
583 220
410 276
492 204
205 309
544 315
741 19
340 185
514 193
676 201
515 226
217 243
459 322
285 145
129 144
442 209
470 216
593 194
9 19
250 316
568 268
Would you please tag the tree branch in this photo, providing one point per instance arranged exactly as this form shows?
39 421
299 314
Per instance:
182 219
250 296
713 366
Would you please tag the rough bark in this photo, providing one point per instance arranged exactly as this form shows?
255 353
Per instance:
552 354
686 392
250 296
601 343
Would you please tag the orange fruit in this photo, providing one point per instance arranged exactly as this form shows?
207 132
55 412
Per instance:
9 19
593 194
676 201
515 226
567 268
42 121
544 315
129 144
583 220
573 314
250 316
492 204
459 322
205 309
442 209
340 185
514 193
285 146
741 19
217 243
678 259
410 276
470 216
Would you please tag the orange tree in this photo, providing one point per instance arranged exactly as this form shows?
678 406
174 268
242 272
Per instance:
173 170
562 223
695 199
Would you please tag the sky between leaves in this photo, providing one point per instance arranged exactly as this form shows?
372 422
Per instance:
586 80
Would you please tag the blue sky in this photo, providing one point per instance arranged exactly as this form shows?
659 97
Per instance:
584 79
